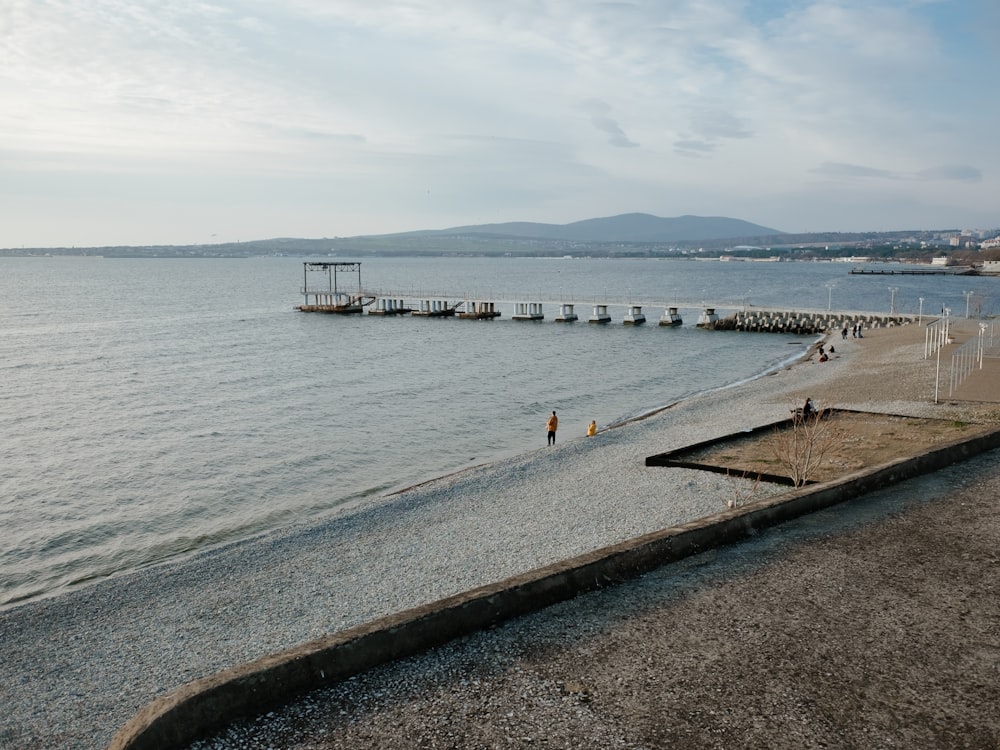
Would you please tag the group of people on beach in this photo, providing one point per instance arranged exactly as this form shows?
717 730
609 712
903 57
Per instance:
855 332
553 424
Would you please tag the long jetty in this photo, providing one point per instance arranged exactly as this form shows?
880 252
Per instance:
741 316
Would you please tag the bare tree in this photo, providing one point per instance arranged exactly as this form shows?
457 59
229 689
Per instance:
801 447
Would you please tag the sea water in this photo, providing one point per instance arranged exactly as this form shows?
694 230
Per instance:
150 408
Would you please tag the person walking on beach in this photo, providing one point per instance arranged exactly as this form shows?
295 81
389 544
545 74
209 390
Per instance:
552 425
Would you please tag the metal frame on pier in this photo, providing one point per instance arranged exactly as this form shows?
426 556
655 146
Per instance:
332 298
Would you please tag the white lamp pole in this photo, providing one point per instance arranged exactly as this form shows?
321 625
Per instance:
937 374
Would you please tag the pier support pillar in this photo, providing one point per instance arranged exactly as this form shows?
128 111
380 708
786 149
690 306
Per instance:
599 315
528 311
708 318
566 314
634 317
433 308
670 317
479 310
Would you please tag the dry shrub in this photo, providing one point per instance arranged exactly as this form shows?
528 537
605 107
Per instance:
742 491
801 447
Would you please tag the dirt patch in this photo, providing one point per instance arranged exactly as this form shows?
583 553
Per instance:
849 442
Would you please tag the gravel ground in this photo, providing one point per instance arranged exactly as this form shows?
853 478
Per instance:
872 625
77 666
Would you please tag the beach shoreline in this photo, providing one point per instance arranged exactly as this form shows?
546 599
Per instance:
86 661
800 358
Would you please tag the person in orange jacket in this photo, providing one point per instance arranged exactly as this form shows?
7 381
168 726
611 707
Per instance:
592 428
551 426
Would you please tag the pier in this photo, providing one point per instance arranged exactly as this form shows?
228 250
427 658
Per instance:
326 290
960 271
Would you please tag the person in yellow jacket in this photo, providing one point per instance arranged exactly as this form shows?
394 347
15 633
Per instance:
551 426
592 428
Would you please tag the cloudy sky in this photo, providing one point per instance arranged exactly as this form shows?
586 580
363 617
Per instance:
201 121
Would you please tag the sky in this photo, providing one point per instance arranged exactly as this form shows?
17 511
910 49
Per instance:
146 122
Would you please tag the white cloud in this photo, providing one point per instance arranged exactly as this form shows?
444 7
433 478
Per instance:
600 118
958 172
548 111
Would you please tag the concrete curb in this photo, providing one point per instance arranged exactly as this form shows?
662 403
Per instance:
200 707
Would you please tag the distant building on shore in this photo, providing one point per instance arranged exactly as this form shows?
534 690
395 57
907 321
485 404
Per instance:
990 266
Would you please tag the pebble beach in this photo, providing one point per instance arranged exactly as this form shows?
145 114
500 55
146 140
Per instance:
77 666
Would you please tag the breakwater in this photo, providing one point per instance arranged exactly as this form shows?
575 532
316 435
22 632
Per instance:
798 322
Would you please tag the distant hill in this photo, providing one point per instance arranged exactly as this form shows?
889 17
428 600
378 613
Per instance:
634 227
632 235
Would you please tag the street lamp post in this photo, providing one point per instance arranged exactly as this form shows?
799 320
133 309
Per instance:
968 295
829 297
892 299
920 317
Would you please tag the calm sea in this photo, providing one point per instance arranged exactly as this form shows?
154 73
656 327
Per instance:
150 408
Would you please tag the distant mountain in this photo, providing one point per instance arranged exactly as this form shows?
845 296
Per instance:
634 227
703 232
